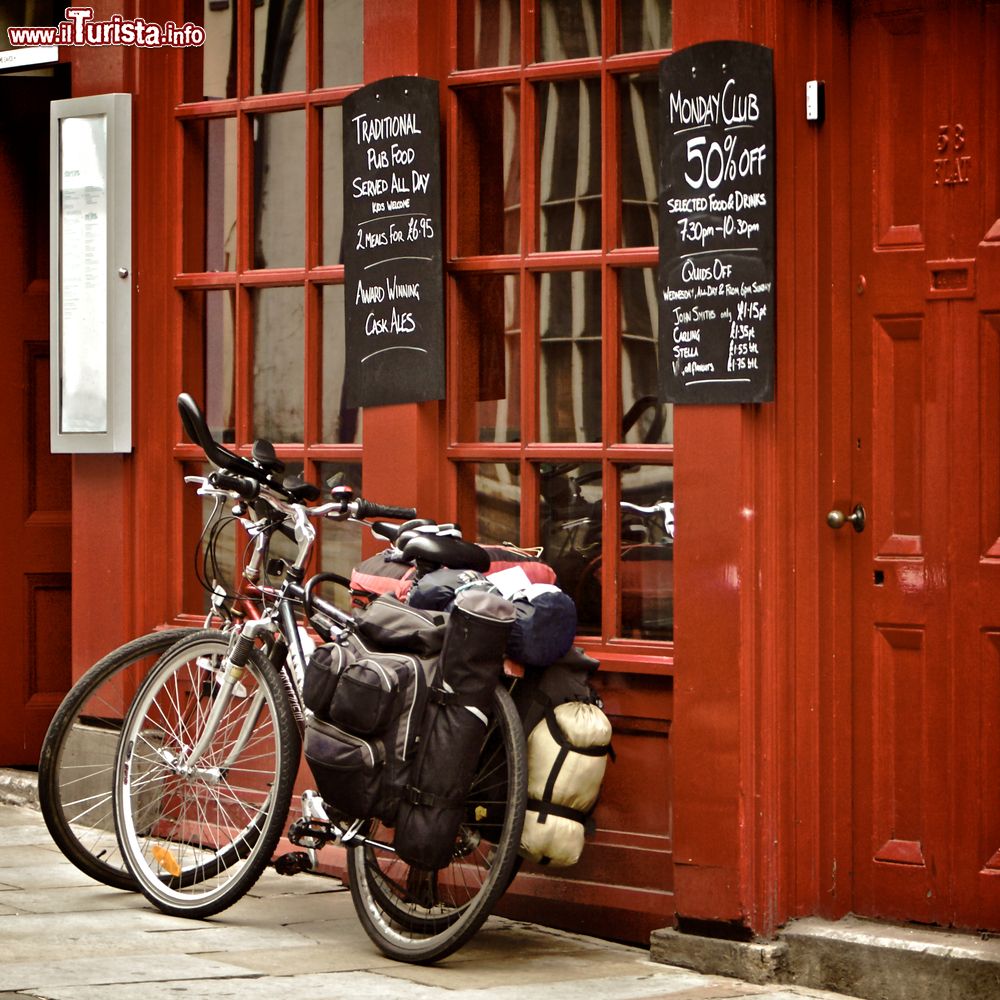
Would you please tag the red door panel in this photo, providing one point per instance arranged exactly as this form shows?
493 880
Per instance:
35 587
926 439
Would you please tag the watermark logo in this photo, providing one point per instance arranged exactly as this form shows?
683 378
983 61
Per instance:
81 28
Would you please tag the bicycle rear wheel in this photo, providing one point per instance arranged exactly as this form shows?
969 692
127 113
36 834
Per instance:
416 915
78 756
196 834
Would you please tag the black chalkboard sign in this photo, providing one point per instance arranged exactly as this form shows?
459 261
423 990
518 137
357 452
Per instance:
717 296
393 274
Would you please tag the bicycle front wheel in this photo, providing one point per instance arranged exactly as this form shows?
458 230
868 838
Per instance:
77 761
197 833
416 915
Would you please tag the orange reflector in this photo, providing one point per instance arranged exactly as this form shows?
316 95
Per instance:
481 813
166 861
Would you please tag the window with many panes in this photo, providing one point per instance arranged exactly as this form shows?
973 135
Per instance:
558 435
260 272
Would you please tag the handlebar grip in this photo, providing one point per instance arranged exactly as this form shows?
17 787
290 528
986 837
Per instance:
245 488
368 509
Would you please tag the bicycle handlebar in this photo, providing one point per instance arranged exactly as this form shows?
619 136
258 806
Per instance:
240 485
367 509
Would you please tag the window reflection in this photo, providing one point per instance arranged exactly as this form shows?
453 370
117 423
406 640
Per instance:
571 499
490 320
569 115
340 424
279 30
570 29
645 420
333 185
569 319
646 537
489 179
340 542
278 363
219 50
343 42
279 189
496 488
213 314
489 33
211 154
646 24
639 100
217 561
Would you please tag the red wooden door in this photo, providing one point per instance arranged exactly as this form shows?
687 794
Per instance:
926 439
35 583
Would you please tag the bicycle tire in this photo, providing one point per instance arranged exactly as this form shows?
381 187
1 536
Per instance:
204 837
77 758
421 916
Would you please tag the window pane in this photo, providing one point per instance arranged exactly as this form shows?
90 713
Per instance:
489 33
211 317
569 319
489 337
343 42
646 572
279 189
340 541
496 487
639 98
645 420
569 141
489 174
210 195
333 185
216 562
279 30
646 24
571 498
219 51
570 29
340 424
278 363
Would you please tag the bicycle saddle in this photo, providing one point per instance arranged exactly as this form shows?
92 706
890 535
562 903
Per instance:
445 550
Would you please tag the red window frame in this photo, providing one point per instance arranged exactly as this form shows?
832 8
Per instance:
641 655
244 279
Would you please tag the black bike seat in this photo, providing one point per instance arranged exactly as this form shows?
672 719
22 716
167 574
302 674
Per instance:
446 550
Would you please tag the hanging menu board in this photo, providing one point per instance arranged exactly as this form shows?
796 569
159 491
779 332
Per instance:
393 274
717 296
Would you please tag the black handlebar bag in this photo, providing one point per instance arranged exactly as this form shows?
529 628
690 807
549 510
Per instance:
456 723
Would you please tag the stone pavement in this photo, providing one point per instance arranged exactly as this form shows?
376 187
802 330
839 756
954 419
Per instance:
65 937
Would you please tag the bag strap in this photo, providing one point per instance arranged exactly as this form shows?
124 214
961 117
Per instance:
601 750
418 797
545 807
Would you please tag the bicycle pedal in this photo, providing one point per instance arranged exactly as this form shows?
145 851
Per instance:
293 863
312 833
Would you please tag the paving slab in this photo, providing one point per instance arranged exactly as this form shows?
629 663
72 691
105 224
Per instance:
63 937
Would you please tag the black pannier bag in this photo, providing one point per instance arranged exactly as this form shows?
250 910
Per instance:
458 715
366 706
390 624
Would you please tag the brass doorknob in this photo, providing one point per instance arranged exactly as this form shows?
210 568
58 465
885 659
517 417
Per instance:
837 518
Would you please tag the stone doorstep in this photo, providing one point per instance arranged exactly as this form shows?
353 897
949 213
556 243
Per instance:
18 788
858 957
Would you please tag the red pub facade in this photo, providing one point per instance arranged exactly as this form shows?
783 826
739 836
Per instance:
806 715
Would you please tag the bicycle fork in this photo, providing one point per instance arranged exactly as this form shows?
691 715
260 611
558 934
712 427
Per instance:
232 670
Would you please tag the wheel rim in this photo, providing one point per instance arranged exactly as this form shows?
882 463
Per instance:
76 767
187 828
420 915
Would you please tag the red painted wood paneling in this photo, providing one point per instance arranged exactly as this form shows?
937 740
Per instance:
36 579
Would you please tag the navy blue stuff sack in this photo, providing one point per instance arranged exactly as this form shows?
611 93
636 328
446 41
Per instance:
544 629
